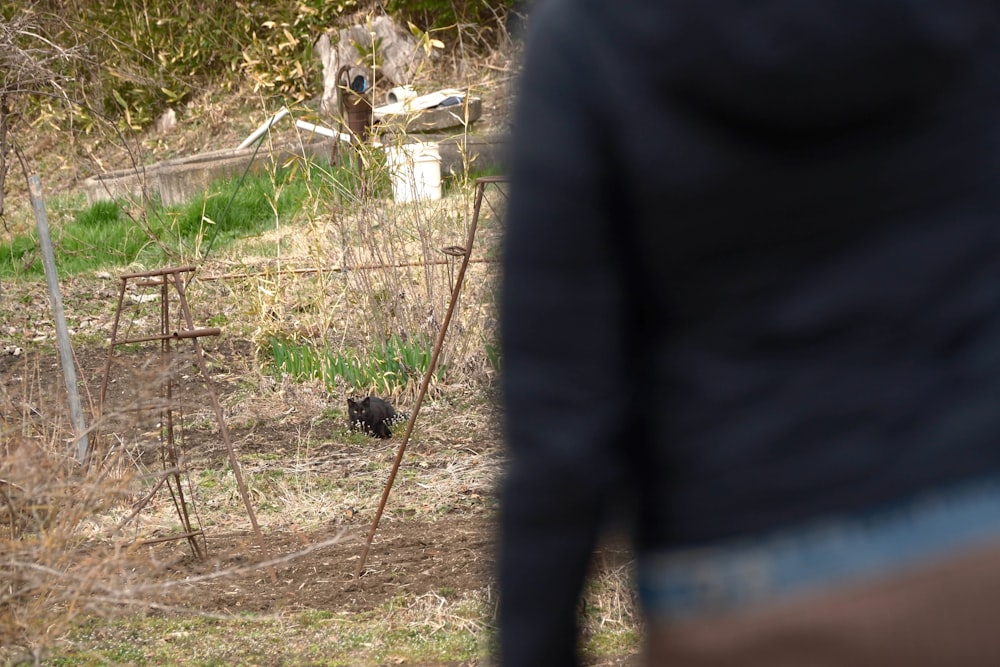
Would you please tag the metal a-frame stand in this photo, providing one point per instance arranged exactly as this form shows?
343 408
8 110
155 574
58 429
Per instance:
164 279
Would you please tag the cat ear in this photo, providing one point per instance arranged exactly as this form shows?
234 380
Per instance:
351 403
366 401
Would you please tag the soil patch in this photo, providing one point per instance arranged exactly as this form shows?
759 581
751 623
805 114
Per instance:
449 557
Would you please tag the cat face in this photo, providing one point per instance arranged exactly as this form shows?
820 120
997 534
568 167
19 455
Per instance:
356 409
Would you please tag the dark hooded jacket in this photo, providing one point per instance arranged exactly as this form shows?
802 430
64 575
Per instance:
752 275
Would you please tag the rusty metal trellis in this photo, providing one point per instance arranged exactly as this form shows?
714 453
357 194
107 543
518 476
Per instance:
164 279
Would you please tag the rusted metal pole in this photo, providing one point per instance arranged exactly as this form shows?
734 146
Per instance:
175 335
342 269
62 333
455 292
223 429
167 422
111 350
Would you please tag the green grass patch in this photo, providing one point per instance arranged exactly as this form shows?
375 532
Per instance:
390 365
106 236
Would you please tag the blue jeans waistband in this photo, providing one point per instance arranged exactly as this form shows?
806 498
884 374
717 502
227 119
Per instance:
743 572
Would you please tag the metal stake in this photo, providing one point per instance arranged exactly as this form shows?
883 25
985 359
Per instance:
62 333
456 290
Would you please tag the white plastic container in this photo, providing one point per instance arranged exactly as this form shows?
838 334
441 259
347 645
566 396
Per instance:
400 94
415 170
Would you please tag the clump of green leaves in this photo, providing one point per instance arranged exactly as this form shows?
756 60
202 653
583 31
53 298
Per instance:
395 364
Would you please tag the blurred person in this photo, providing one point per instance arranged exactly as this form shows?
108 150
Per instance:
752 285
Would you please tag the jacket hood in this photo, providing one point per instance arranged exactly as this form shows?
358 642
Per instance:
803 64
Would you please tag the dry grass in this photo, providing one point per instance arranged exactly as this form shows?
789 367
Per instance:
365 270
71 548
52 568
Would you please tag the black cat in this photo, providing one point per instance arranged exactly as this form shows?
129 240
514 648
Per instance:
371 414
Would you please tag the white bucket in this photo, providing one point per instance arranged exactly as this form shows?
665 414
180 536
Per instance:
415 170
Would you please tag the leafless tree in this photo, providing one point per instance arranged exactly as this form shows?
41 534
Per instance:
34 64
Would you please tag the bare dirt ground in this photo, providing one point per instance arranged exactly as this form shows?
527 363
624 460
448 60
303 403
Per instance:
449 550
443 547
